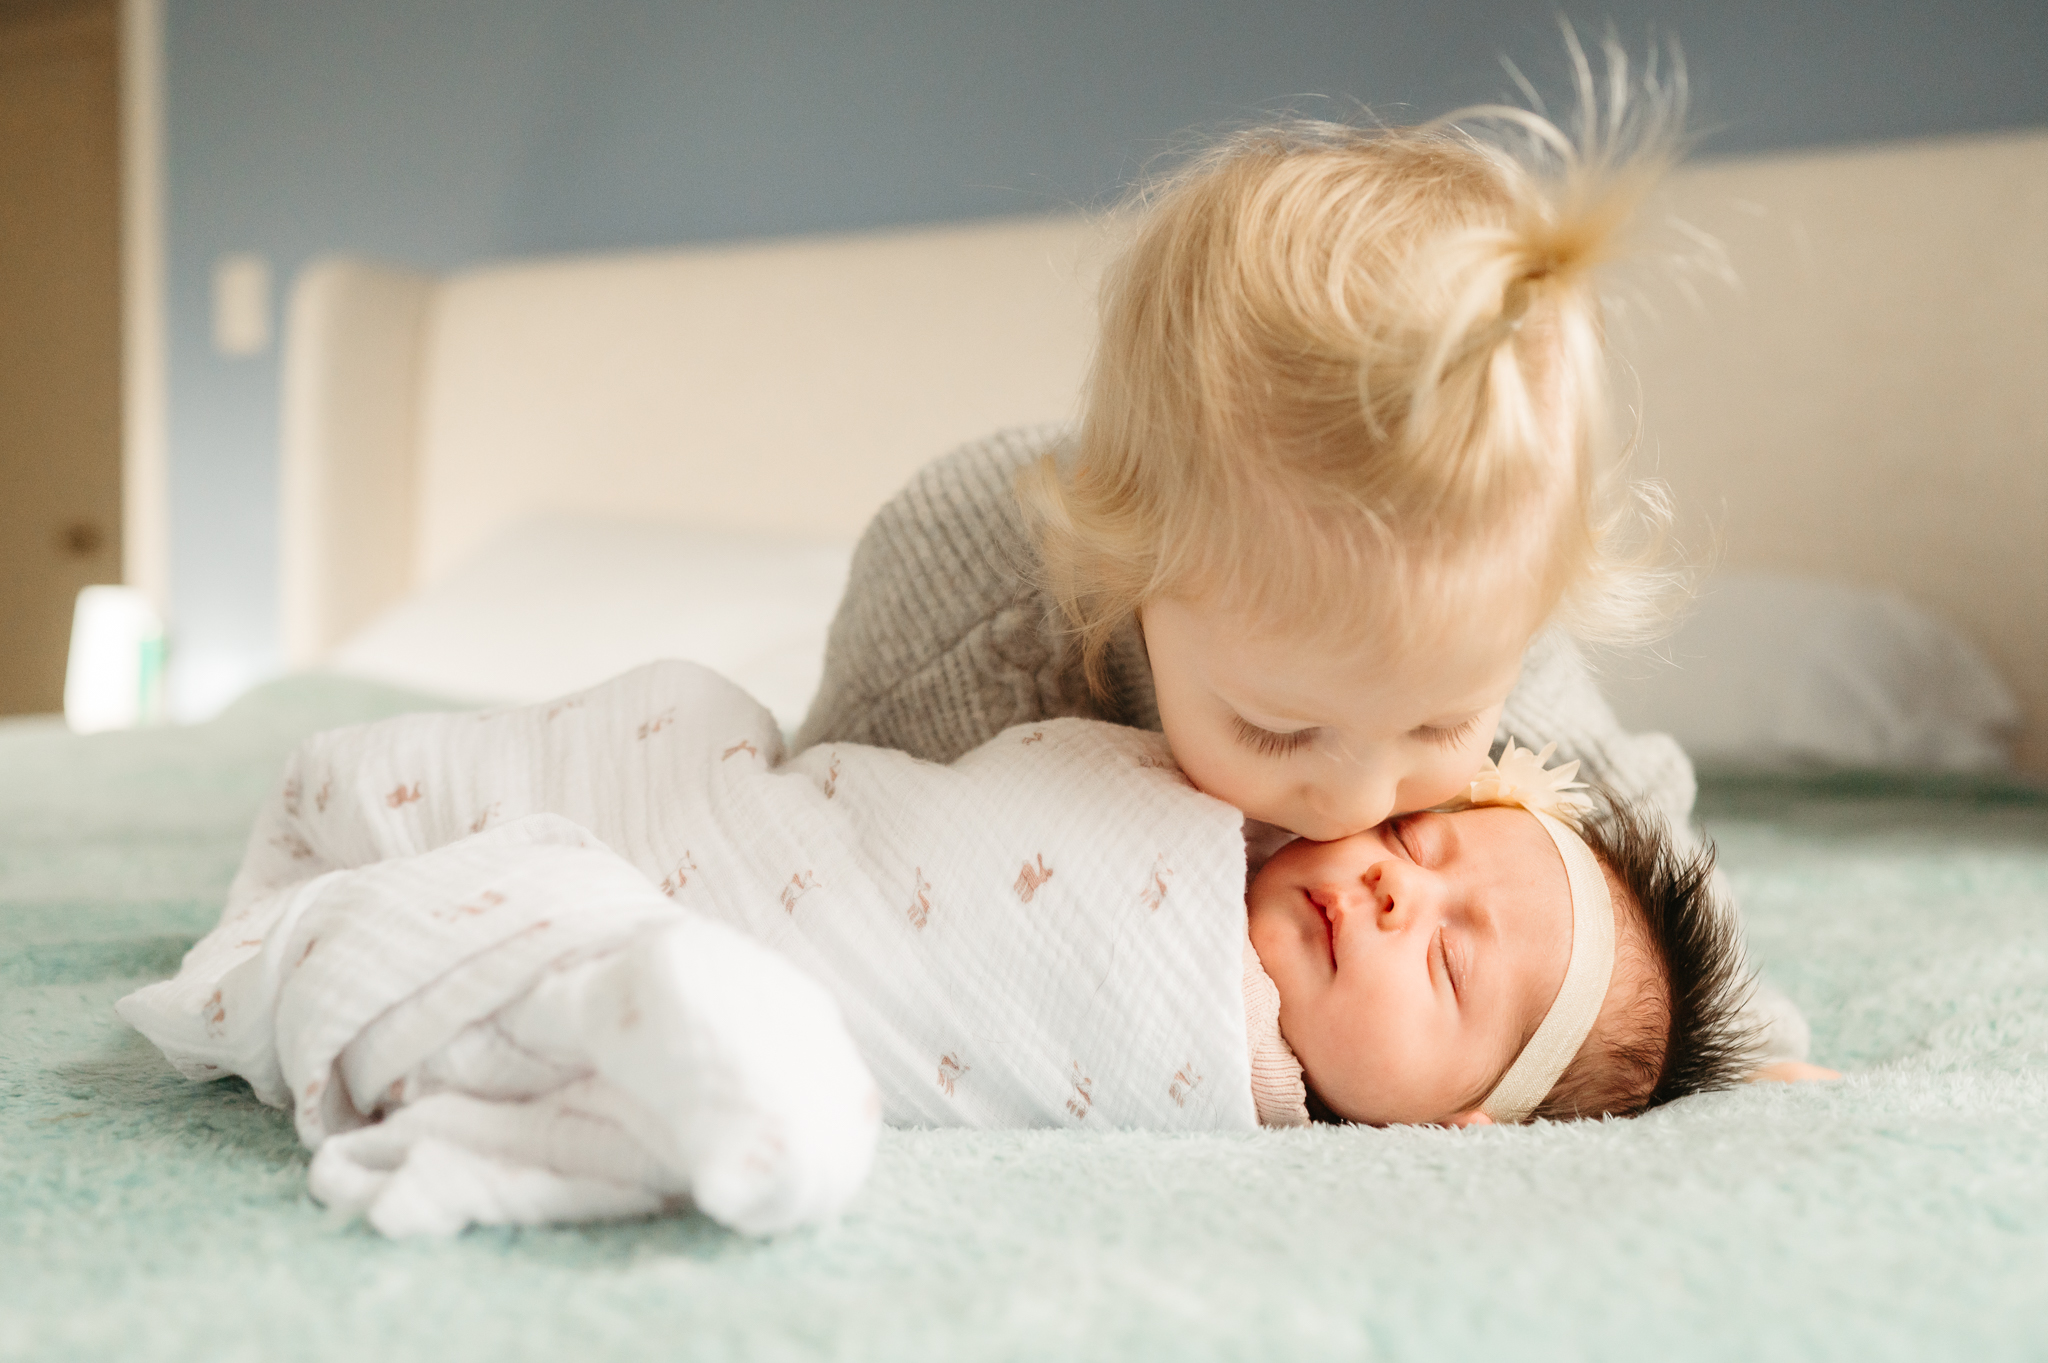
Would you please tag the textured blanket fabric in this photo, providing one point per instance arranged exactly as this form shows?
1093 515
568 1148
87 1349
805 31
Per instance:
1902 1213
579 947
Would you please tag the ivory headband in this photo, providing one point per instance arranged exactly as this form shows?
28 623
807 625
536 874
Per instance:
1578 1000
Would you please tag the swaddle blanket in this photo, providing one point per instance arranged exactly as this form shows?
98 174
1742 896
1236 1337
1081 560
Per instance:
591 957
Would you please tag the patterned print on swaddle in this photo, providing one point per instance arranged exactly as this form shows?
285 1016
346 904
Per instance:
983 924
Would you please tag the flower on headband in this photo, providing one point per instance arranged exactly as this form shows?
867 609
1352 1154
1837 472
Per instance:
1519 779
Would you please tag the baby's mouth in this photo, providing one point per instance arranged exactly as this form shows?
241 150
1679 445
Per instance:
1329 928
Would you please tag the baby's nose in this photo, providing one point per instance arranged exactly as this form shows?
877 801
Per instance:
1400 894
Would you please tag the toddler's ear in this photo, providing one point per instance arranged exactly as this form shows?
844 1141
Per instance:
1473 1118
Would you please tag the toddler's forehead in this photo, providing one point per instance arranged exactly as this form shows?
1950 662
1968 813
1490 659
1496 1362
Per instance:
1371 636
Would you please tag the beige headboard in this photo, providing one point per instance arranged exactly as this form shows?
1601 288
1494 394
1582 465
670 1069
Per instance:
1871 403
791 386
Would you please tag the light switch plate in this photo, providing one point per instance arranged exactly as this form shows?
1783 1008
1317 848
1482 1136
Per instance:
241 305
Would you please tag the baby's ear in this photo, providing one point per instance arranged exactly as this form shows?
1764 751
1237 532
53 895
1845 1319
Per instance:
1793 1072
1473 1118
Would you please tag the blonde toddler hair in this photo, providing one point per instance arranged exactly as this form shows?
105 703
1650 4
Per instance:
1354 380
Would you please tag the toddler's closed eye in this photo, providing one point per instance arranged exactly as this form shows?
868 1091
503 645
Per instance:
1267 743
1448 736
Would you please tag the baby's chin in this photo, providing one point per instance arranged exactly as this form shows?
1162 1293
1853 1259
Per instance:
1373 1110
1329 1091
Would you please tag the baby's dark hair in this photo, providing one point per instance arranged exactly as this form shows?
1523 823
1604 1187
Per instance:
1688 1036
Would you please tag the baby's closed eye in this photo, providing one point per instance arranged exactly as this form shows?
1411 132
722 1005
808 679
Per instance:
1453 963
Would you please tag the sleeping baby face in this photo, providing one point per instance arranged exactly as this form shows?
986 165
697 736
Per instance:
1415 959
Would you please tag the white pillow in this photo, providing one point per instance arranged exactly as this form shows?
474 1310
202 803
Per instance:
564 602
1779 672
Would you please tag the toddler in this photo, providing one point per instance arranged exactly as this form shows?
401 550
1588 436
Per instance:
1345 472
449 929
1345 453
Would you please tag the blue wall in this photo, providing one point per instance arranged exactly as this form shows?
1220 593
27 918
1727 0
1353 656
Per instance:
439 132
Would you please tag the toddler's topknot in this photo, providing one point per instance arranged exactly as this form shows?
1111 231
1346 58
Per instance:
1336 355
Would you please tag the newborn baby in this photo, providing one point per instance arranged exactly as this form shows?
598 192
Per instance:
1414 963
450 931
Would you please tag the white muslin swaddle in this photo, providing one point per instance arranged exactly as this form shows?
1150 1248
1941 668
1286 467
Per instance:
596 956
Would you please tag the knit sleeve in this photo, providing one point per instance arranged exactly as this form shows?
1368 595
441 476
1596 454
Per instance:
943 638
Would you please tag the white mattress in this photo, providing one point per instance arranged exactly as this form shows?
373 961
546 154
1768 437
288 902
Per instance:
564 602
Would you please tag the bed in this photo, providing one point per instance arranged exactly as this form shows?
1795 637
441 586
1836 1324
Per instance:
1902 1213
554 418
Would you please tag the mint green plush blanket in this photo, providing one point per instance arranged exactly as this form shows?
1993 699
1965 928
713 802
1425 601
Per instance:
1902 1213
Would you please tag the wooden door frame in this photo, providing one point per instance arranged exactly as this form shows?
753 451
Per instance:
145 419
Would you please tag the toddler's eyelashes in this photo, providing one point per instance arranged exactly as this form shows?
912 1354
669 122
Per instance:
1267 743
1448 736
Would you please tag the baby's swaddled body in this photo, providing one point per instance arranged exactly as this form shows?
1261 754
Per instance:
1050 931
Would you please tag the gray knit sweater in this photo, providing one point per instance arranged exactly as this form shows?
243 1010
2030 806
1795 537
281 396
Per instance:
944 640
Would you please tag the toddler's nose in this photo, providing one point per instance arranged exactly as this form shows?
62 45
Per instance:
1354 806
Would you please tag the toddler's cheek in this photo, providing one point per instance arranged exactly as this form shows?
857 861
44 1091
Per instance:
1435 788
1216 772
1449 776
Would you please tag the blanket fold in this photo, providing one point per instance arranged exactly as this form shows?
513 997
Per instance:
519 1027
